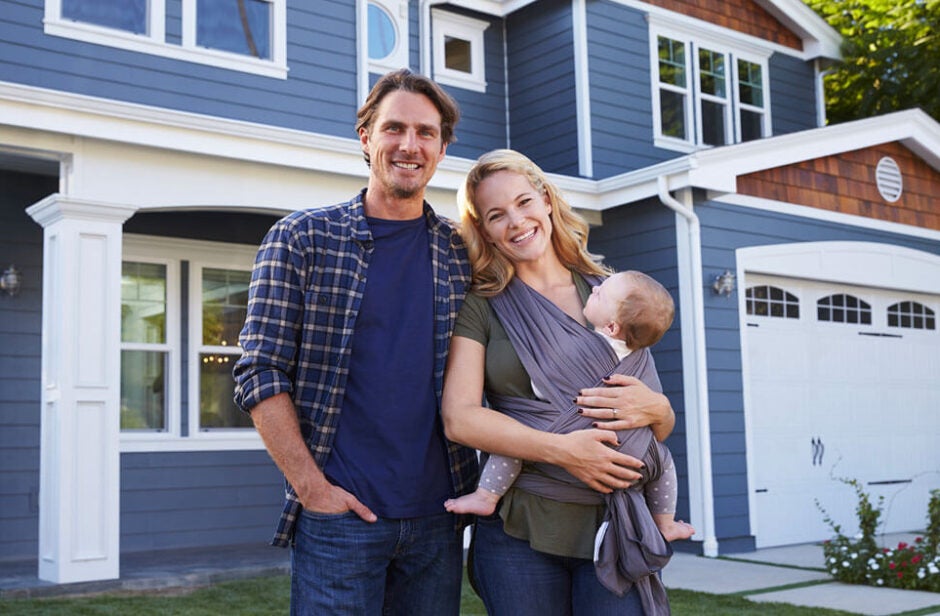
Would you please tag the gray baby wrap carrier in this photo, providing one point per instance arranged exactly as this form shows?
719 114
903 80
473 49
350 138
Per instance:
562 357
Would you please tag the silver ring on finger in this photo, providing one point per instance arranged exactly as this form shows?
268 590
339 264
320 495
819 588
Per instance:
614 411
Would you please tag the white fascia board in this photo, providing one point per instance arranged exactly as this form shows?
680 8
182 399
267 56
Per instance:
718 168
820 40
54 112
497 8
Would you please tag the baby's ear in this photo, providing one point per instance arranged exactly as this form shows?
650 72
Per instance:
612 329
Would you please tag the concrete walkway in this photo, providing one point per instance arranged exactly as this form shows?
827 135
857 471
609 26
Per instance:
790 574
795 575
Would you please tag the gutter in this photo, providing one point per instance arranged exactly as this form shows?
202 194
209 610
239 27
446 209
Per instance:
700 372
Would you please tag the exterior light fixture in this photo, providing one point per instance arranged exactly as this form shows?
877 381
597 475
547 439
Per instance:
724 284
10 281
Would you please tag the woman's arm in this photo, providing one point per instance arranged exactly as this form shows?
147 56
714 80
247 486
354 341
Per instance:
636 406
586 454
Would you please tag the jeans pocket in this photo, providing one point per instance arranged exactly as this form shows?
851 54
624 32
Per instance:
318 515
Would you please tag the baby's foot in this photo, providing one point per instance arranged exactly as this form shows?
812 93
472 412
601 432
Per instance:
481 502
673 530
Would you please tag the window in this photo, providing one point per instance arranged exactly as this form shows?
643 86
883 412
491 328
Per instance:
458 50
911 315
243 35
843 308
166 283
706 93
146 352
387 35
770 301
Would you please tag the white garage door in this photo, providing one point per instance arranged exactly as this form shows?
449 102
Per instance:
841 381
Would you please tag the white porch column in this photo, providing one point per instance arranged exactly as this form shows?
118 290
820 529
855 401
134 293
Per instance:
79 489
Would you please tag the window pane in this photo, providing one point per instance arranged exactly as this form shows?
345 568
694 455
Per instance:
224 305
127 15
712 72
752 125
672 62
713 123
238 26
672 112
381 33
216 408
750 84
143 302
457 54
143 390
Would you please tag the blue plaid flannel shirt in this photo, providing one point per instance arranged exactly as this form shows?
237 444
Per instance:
305 293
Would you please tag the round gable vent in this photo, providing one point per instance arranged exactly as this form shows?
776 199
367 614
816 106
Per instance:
889 180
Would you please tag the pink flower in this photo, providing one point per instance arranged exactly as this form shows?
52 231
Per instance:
902 545
900 575
915 560
919 540
891 565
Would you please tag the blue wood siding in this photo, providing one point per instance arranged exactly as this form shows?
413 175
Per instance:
621 109
319 94
20 369
724 229
792 94
642 236
171 500
542 106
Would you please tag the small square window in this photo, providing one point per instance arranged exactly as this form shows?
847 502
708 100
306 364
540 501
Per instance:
458 50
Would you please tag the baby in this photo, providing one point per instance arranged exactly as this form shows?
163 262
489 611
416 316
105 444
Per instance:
631 311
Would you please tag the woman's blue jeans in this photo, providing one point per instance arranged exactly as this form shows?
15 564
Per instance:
343 565
515 580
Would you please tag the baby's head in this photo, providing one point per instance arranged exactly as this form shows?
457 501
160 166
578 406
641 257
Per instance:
632 307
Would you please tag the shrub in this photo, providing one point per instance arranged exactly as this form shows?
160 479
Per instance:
859 560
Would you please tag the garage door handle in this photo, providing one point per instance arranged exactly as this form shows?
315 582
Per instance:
818 451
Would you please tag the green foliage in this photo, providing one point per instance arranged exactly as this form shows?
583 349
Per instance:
891 57
859 560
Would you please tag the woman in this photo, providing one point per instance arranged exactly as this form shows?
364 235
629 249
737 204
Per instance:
535 556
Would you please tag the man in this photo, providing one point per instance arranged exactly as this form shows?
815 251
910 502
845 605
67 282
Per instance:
350 314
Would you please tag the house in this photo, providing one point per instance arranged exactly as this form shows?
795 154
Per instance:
144 152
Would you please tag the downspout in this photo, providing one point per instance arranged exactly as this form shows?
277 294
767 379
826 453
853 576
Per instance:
710 541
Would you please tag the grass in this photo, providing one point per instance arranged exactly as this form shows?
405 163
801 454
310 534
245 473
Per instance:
269 595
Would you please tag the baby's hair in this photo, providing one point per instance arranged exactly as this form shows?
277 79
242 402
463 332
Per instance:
646 312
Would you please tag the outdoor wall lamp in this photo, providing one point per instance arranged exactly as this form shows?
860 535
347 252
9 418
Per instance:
724 284
10 281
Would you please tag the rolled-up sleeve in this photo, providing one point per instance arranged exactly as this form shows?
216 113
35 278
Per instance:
270 337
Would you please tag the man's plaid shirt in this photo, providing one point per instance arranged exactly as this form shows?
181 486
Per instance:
305 294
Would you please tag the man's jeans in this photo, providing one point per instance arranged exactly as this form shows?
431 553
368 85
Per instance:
343 565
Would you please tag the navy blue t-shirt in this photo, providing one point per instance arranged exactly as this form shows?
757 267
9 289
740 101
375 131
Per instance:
389 448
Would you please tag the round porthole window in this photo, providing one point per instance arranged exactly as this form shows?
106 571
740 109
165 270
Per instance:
382 33
889 180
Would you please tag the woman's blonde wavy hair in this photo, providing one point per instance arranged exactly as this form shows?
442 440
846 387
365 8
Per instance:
492 271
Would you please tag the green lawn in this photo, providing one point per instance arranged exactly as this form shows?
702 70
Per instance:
270 596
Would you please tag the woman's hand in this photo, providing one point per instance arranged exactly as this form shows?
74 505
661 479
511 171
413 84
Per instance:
627 403
590 456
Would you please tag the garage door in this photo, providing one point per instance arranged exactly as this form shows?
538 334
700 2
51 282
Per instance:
841 381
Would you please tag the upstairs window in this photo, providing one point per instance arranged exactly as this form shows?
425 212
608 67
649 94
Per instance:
241 35
387 35
458 50
706 93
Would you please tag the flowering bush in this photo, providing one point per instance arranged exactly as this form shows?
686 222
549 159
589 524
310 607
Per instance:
859 560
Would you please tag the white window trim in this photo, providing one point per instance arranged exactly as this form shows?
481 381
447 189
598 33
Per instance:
198 254
444 24
398 58
154 41
699 97
733 48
